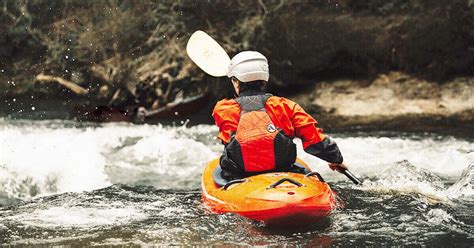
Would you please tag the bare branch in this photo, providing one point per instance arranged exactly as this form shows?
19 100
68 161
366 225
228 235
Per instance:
67 84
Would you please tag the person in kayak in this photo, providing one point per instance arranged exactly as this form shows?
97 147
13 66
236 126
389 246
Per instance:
257 129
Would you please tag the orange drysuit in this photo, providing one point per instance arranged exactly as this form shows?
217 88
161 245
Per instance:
286 115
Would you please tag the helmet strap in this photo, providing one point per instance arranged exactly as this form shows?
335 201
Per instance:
236 85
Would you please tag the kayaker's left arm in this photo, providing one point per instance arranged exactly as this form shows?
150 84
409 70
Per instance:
226 116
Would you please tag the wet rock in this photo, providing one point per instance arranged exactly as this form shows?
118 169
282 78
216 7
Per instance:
390 102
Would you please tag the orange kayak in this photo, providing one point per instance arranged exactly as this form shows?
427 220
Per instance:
277 198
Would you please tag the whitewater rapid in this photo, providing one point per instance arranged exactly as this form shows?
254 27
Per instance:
64 182
48 157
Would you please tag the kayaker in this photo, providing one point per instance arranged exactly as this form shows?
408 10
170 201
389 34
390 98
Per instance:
257 128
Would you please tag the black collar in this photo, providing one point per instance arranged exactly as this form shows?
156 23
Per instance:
251 93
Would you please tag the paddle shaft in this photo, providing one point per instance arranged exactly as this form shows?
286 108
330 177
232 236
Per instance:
351 176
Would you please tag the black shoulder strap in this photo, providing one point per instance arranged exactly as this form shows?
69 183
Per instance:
252 103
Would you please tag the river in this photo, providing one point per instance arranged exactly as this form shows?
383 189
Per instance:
68 183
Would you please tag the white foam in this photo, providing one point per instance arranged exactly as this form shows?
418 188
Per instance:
78 217
439 216
162 158
50 160
368 155
48 157
40 158
463 188
377 159
174 211
407 178
447 157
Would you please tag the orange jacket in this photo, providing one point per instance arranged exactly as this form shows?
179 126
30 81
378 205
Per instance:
285 114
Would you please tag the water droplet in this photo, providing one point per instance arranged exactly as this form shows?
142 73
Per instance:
33 108
67 57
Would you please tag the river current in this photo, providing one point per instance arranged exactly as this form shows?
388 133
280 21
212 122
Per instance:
69 183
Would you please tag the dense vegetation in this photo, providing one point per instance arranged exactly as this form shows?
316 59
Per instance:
123 51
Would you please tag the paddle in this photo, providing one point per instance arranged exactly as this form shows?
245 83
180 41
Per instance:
343 170
206 53
351 176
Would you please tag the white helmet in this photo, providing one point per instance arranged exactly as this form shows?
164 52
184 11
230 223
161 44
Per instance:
249 66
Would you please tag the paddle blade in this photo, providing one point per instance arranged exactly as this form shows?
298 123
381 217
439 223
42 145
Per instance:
206 53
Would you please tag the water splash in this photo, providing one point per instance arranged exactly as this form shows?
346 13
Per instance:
39 158
38 161
405 177
46 157
463 188
78 217
369 155
439 217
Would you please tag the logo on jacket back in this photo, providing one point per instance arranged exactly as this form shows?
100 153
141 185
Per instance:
271 128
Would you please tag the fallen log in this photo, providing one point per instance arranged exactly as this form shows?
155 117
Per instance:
63 82
184 107
179 108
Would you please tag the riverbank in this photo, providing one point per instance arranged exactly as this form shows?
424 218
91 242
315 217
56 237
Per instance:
393 101
60 50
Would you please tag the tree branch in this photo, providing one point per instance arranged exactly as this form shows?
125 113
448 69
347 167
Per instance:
63 82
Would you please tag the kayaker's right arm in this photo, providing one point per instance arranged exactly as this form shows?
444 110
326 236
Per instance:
314 141
326 150
317 144
338 167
